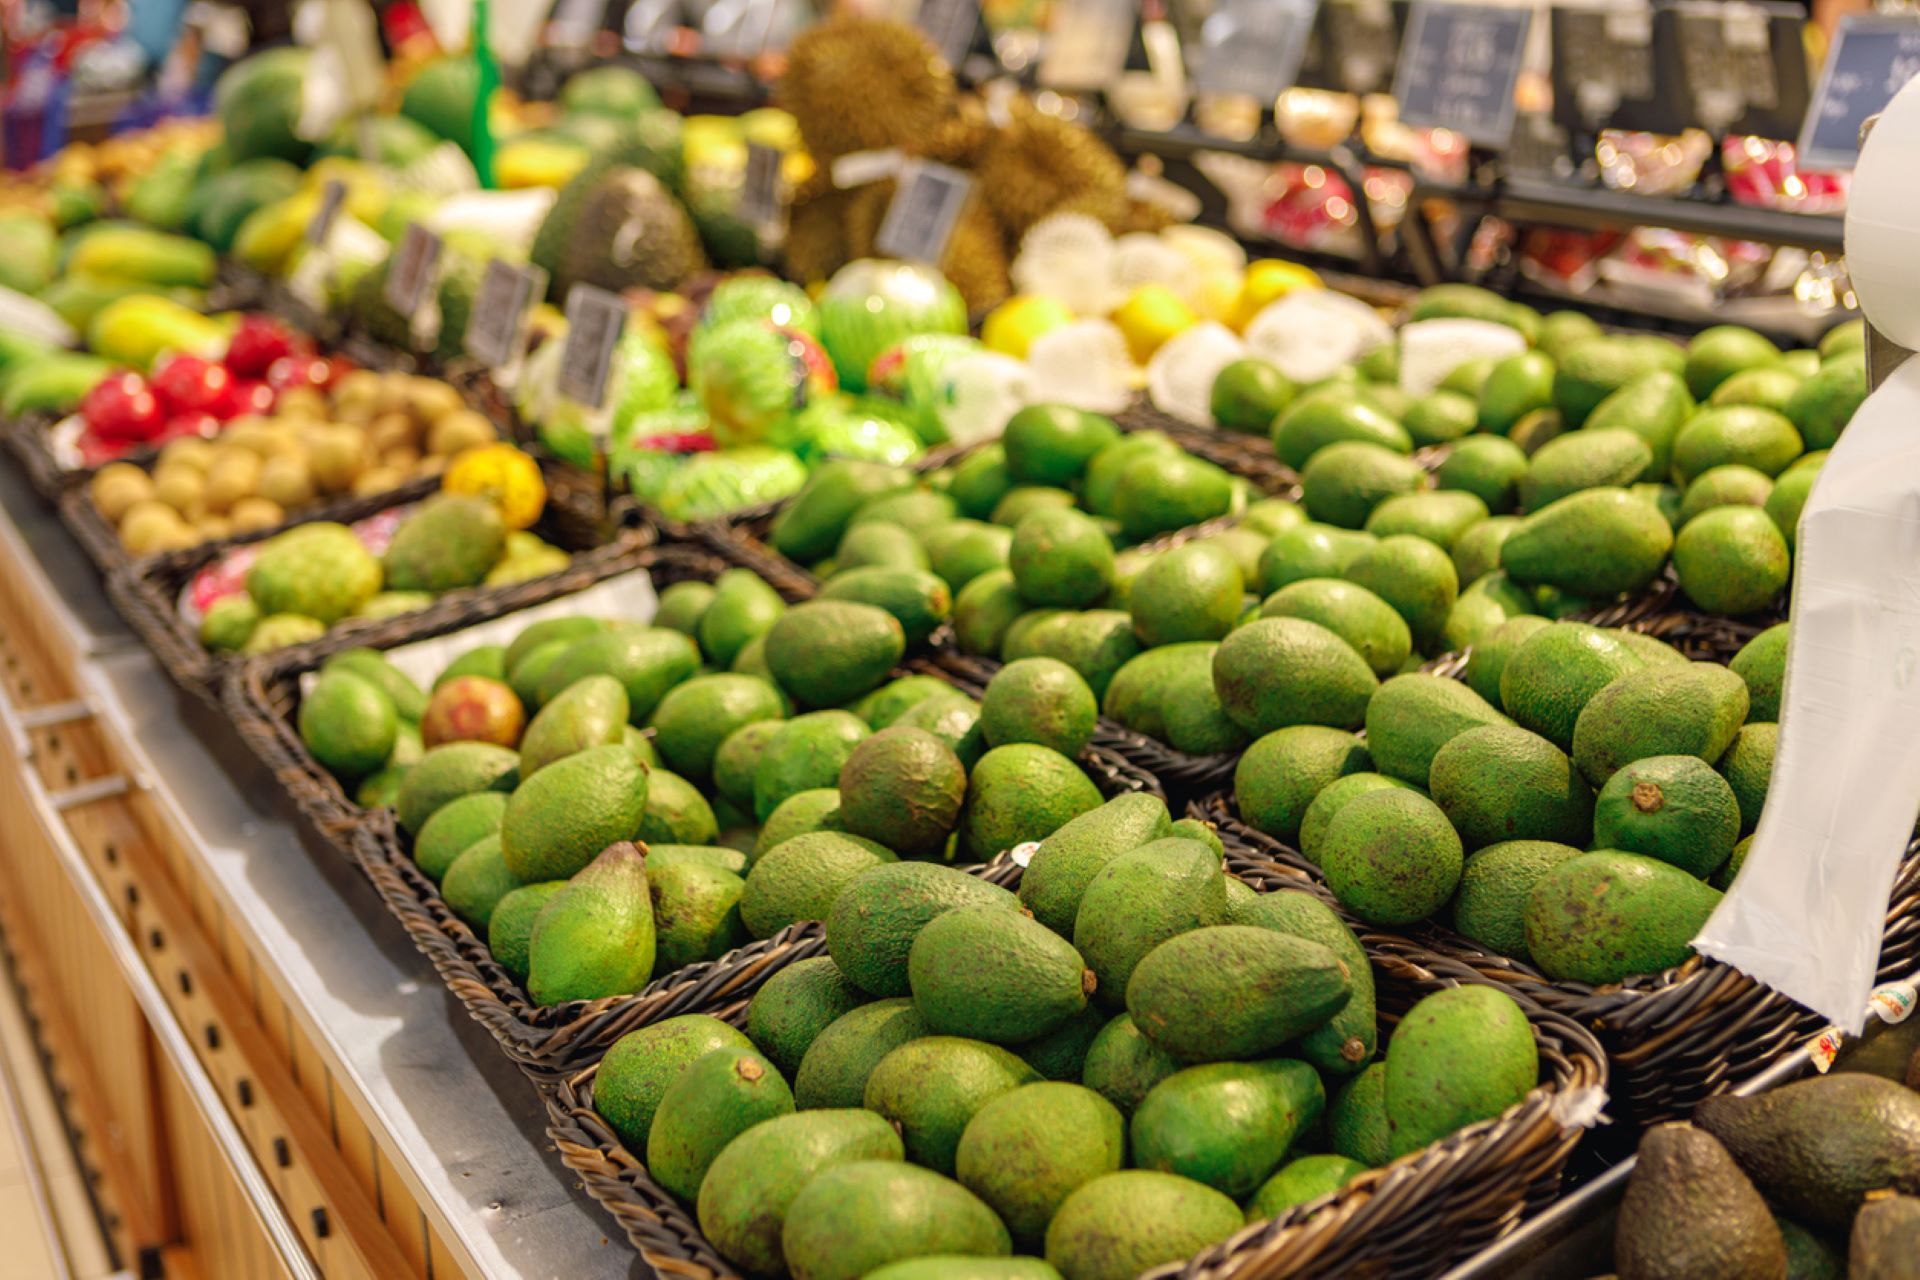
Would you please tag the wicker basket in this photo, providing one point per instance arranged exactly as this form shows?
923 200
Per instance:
1408 1219
548 1041
1673 1038
1240 452
147 592
1663 612
261 698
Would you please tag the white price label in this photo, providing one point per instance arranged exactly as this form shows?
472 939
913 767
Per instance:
412 272
925 209
495 328
951 25
760 189
595 319
862 167
332 196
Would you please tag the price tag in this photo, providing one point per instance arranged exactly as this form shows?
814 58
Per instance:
412 272
1872 58
499 312
1743 65
595 319
1604 71
760 189
332 196
1254 47
1458 66
1087 45
951 25
1359 45
925 209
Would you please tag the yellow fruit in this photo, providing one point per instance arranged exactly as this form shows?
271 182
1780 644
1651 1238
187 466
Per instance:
284 480
249 514
339 455
1011 327
117 487
432 399
1150 316
503 475
179 486
457 432
1218 296
234 475
377 480
1267 281
187 451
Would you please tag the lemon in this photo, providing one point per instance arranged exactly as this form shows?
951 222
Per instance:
1011 327
1269 280
1218 295
1150 316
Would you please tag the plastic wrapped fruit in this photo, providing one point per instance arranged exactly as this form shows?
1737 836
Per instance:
871 305
752 378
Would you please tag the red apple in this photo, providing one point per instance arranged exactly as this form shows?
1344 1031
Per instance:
122 409
188 384
258 341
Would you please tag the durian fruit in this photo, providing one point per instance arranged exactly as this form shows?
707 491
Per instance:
976 260
1147 215
1040 164
862 84
960 138
630 233
817 230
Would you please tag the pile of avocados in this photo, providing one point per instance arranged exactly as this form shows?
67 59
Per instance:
1578 801
1816 1179
1131 1054
588 853
1116 1067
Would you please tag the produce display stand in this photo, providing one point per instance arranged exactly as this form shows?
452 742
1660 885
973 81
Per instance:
1409 1218
265 1080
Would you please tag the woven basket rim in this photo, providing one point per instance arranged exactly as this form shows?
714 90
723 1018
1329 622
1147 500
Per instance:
1328 1231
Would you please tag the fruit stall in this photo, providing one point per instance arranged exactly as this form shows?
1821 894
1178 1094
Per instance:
624 659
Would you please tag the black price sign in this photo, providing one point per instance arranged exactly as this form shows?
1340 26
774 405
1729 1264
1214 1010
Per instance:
1458 66
332 196
1604 71
760 188
595 319
493 330
1355 46
1743 65
926 207
1087 44
951 25
1254 47
1872 58
411 273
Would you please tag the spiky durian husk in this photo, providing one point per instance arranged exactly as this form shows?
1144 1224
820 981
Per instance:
861 84
1039 164
976 260
1145 215
961 138
817 230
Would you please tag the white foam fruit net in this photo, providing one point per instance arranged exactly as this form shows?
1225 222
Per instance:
1068 256
1432 349
1314 333
1180 376
1142 258
1213 252
1084 364
984 390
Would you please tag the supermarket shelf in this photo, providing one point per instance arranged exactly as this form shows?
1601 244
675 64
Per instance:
460 1128
1564 204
